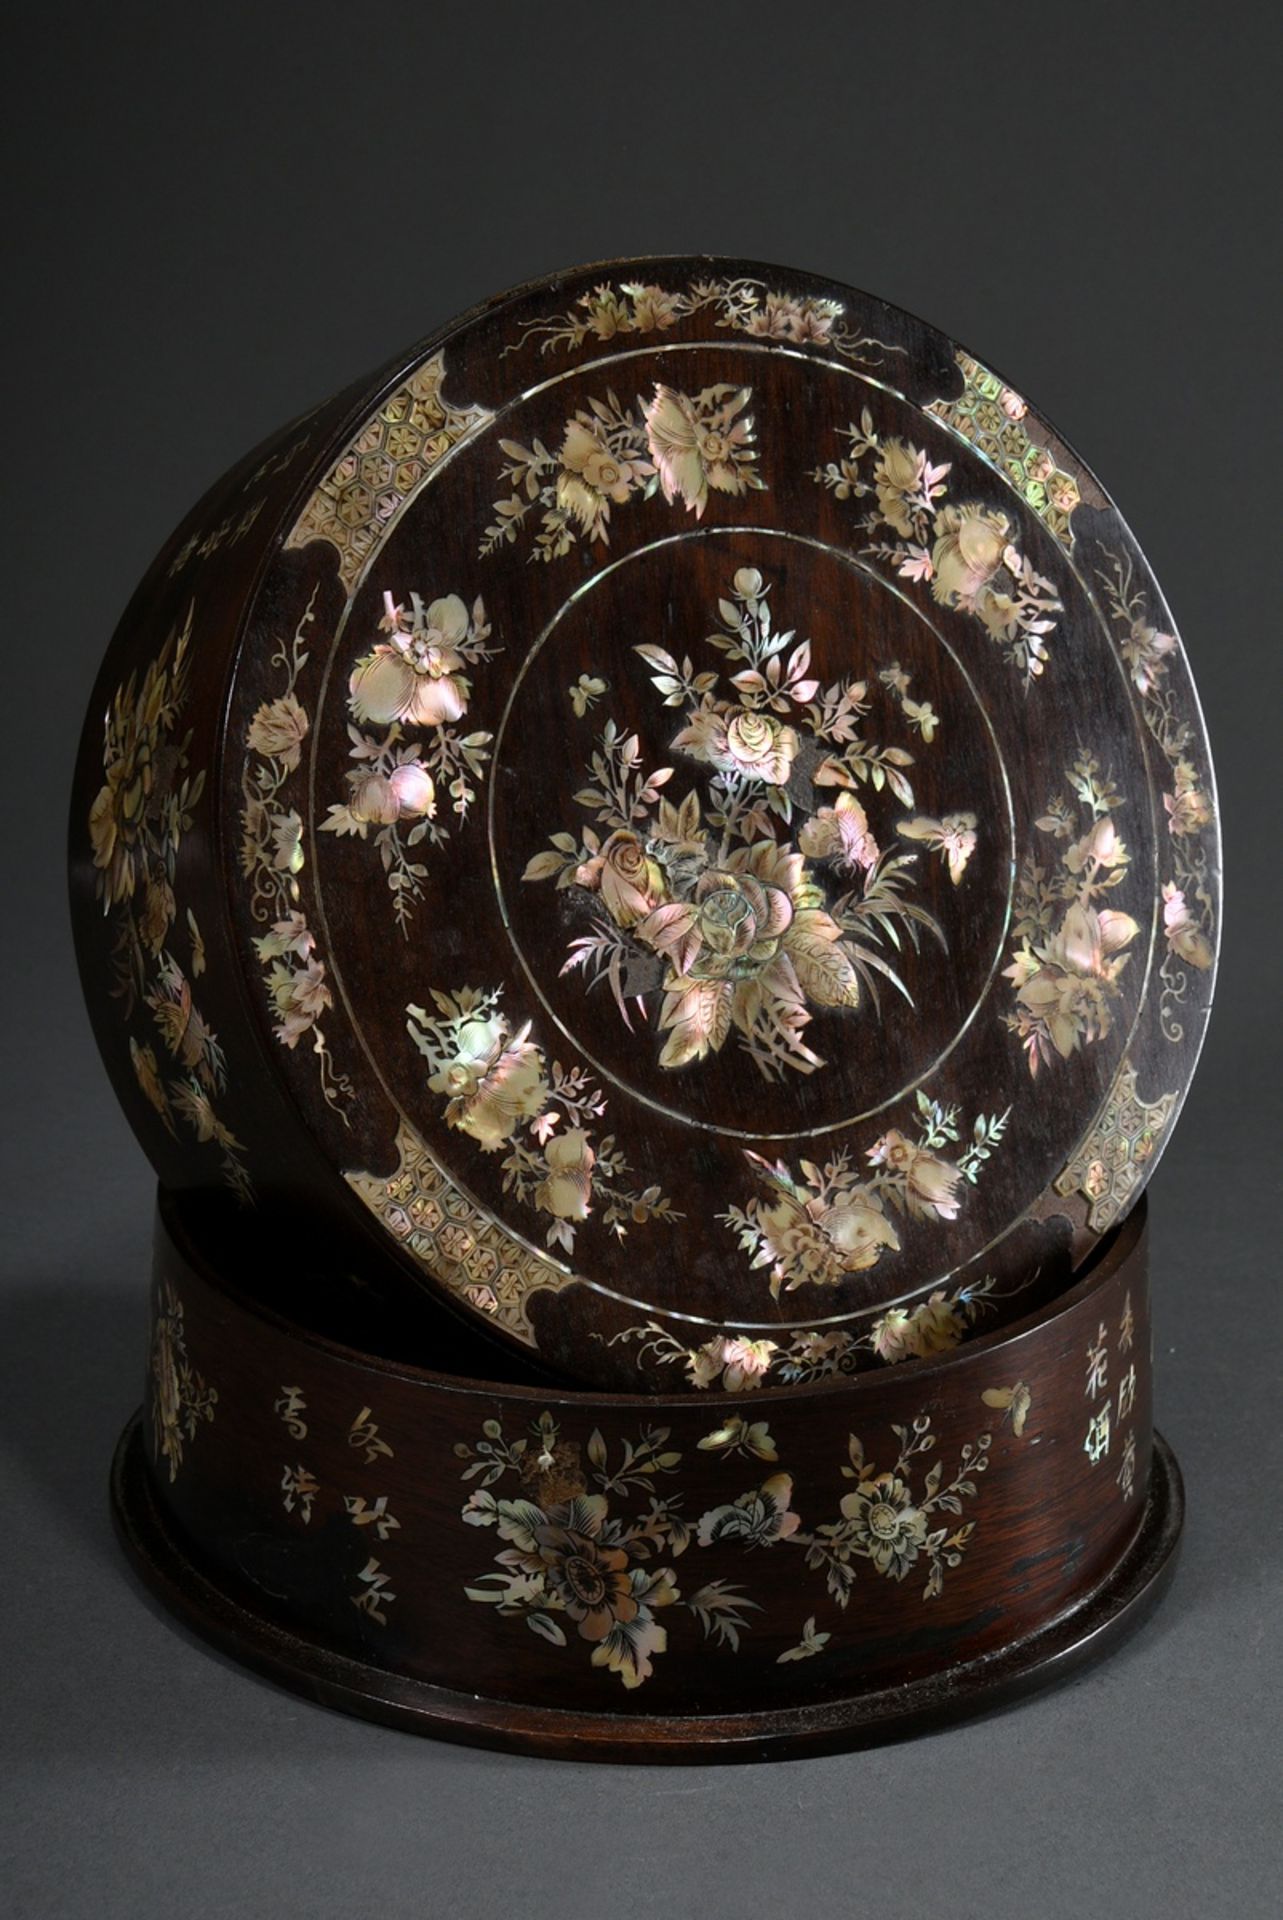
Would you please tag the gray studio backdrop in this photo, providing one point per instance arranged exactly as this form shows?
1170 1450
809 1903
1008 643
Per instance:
218 215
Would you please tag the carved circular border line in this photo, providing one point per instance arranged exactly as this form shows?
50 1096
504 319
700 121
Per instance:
1183 692
480 422
559 1273
843 559
554 1275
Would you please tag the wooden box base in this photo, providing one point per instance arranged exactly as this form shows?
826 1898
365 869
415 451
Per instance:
598 1576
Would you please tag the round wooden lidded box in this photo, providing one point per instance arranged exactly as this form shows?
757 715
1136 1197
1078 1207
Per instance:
676 818
673 823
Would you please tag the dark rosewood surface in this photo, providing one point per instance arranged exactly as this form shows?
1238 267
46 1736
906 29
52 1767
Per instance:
674 818
755 1572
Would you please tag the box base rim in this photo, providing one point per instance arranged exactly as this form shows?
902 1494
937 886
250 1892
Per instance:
861 1717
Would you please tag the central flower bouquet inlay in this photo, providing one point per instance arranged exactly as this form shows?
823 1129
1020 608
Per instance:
763 893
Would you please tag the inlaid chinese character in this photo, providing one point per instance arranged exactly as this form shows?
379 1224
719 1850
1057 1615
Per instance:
1126 1327
362 1514
299 1488
1096 1445
374 1594
1127 1471
365 1434
1126 1393
291 1407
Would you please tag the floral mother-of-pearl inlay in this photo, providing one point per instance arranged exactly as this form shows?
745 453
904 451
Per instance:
964 551
138 822
500 1089
1071 949
181 1401
272 859
1189 913
761 893
592 1535
407 695
684 446
739 304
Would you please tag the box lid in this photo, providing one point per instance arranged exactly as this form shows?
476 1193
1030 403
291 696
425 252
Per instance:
717 824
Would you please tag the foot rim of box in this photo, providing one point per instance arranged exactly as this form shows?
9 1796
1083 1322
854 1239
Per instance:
1093 1626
